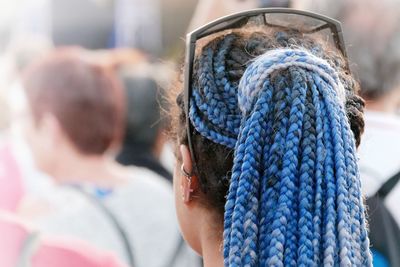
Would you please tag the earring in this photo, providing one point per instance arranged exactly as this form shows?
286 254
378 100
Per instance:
187 188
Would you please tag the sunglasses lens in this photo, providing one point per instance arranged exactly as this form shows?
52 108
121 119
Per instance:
294 21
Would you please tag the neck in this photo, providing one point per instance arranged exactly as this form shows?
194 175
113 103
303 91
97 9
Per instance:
211 246
98 170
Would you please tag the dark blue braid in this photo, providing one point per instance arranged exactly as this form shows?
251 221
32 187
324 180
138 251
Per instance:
306 183
285 219
228 94
320 186
272 162
294 196
214 109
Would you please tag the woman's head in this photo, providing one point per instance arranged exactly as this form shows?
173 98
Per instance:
71 101
276 120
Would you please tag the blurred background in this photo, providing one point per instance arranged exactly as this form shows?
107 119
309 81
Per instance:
75 202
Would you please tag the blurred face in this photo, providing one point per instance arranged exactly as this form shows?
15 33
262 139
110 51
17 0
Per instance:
36 138
37 135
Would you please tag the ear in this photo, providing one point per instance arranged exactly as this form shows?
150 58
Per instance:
189 181
186 158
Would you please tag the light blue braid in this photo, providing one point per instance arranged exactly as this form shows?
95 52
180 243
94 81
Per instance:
294 195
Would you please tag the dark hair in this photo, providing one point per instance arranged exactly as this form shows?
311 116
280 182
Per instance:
243 139
143 119
84 97
214 170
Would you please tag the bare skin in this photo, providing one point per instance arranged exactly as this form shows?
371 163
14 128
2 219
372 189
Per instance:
199 225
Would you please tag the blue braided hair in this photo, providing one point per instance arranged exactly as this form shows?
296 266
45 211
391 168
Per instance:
290 123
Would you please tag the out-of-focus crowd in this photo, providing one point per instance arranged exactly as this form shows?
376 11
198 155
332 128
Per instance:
85 164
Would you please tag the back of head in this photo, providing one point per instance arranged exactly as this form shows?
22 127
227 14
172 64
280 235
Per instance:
277 120
143 110
85 98
372 31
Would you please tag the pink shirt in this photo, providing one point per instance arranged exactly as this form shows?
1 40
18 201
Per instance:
49 251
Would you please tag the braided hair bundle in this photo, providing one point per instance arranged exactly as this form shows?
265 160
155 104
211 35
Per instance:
294 196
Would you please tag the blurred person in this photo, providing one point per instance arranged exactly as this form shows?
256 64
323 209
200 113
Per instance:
145 137
15 164
132 65
11 185
34 183
266 125
209 10
4 112
153 26
118 57
372 31
23 246
73 125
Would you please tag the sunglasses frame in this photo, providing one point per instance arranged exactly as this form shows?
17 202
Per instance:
203 31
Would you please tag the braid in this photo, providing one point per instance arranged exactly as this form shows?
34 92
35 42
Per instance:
219 119
294 194
285 220
329 216
319 172
306 183
272 163
337 122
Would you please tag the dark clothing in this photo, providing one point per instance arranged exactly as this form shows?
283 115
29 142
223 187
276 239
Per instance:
140 157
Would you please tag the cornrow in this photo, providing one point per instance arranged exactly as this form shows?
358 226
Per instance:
293 196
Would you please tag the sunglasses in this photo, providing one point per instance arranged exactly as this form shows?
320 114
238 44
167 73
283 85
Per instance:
306 23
